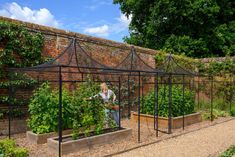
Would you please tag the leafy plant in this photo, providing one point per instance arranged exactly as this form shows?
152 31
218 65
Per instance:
18 48
229 152
43 109
233 111
10 149
206 114
87 113
179 107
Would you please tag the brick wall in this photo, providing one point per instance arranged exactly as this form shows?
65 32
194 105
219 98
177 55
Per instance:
105 51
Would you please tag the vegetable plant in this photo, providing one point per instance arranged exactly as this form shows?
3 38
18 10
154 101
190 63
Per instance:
43 109
8 148
179 106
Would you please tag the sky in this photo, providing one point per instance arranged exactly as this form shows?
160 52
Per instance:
100 18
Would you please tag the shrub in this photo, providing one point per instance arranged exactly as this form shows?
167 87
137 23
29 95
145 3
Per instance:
215 114
233 111
178 107
9 149
43 109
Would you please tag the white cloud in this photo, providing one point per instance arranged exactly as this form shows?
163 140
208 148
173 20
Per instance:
42 16
98 3
99 31
121 25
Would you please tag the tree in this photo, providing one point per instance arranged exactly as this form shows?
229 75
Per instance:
196 28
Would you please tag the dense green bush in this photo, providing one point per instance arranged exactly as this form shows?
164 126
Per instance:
9 149
43 109
178 106
233 111
79 113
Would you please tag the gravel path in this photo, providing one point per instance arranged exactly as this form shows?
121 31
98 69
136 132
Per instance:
207 142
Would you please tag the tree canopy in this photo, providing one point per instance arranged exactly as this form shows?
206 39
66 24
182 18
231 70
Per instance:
195 28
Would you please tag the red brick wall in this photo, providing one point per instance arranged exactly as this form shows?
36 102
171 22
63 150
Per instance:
105 51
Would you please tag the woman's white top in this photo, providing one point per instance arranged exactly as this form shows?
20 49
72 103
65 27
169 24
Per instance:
108 96
105 97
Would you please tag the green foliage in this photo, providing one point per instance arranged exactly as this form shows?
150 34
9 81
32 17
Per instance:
43 109
178 106
185 45
87 113
229 152
198 28
233 111
18 48
78 113
216 113
9 149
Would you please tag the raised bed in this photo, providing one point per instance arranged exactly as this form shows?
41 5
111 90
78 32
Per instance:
69 145
42 138
177 122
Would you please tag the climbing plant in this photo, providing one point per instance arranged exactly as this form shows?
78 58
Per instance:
18 48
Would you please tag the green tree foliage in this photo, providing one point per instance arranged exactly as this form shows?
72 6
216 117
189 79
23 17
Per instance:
196 28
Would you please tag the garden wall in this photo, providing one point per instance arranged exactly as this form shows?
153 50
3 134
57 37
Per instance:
105 51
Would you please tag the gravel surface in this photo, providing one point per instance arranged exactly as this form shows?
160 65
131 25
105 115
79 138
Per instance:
224 133
207 142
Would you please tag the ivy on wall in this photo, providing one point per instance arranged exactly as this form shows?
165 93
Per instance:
214 68
18 48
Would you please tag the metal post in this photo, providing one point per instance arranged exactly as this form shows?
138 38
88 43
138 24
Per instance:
170 105
212 98
60 110
183 100
10 107
129 104
119 100
156 104
198 93
9 120
142 91
139 109
231 95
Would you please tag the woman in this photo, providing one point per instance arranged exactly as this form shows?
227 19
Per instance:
108 97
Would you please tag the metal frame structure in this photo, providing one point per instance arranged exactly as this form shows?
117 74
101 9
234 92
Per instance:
74 64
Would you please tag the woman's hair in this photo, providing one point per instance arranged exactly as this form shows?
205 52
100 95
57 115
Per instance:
104 87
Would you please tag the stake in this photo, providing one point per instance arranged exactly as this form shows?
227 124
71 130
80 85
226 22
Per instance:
156 105
139 109
60 110
129 105
183 101
211 98
119 100
170 105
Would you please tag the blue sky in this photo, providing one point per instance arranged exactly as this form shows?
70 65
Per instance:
99 18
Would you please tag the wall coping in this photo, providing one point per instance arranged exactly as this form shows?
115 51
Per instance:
82 37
